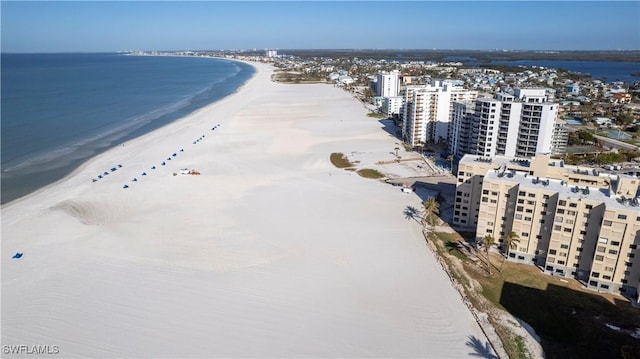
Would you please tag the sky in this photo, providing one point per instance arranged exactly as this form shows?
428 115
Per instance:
85 26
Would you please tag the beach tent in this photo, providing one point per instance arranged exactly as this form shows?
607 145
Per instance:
153 168
144 173
113 169
175 154
164 163
125 186
120 166
17 255
182 150
135 180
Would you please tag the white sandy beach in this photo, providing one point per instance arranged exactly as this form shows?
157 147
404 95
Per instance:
270 252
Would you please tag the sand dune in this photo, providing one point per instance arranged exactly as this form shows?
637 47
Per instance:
270 252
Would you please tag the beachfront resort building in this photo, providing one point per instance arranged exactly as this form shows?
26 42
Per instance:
388 84
392 106
570 221
427 111
520 124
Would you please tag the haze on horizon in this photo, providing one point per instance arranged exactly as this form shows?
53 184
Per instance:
478 25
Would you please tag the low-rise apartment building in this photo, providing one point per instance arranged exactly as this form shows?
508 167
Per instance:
570 221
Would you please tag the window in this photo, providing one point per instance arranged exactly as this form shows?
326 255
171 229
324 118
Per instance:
557 228
559 219
613 251
529 210
531 202
568 230
571 213
532 195
519 208
485 191
546 196
601 249
564 246
518 216
569 221
522 193
562 203
599 257
583 232
525 234
520 201
551 260
494 193
608 269
606 277
528 219
561 262
604 286
633 246
560 211
485 199
489 223
606 223
595 275
552 251
573 205
588 206
622 216
603 240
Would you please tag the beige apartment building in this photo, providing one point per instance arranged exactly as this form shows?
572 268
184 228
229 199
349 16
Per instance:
571 222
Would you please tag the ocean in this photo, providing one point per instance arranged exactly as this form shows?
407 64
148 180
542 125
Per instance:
59 110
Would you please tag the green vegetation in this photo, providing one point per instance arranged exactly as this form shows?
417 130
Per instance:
571 321
370 173
340 160
581 137
376 115
431 211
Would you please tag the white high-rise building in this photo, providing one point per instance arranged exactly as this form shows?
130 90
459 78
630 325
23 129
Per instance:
388 84
271 53
427 111
518 125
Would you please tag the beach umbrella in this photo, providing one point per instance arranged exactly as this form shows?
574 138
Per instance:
135 180
99 176
182 150
153 168
105 173
125 186
164 163
175 154
144 173
120 166
17 255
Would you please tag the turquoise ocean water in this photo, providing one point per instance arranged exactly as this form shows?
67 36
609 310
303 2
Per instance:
59 110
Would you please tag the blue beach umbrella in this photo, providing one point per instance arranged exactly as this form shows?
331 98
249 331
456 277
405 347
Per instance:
153 168
125 186
17 255
144 173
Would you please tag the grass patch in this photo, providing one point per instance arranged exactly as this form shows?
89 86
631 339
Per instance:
376 115
370 173
340 160
569 319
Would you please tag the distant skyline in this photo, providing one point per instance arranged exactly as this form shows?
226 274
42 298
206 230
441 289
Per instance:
212 25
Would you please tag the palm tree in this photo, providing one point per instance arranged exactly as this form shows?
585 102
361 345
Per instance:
431 210
450 159
509 242
488 241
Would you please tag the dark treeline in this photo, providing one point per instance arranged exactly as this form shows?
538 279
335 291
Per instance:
464 55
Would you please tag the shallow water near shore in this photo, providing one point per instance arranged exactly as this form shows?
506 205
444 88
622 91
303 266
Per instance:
59 110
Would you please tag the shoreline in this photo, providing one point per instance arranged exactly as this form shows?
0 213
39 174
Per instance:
270 252
77 164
